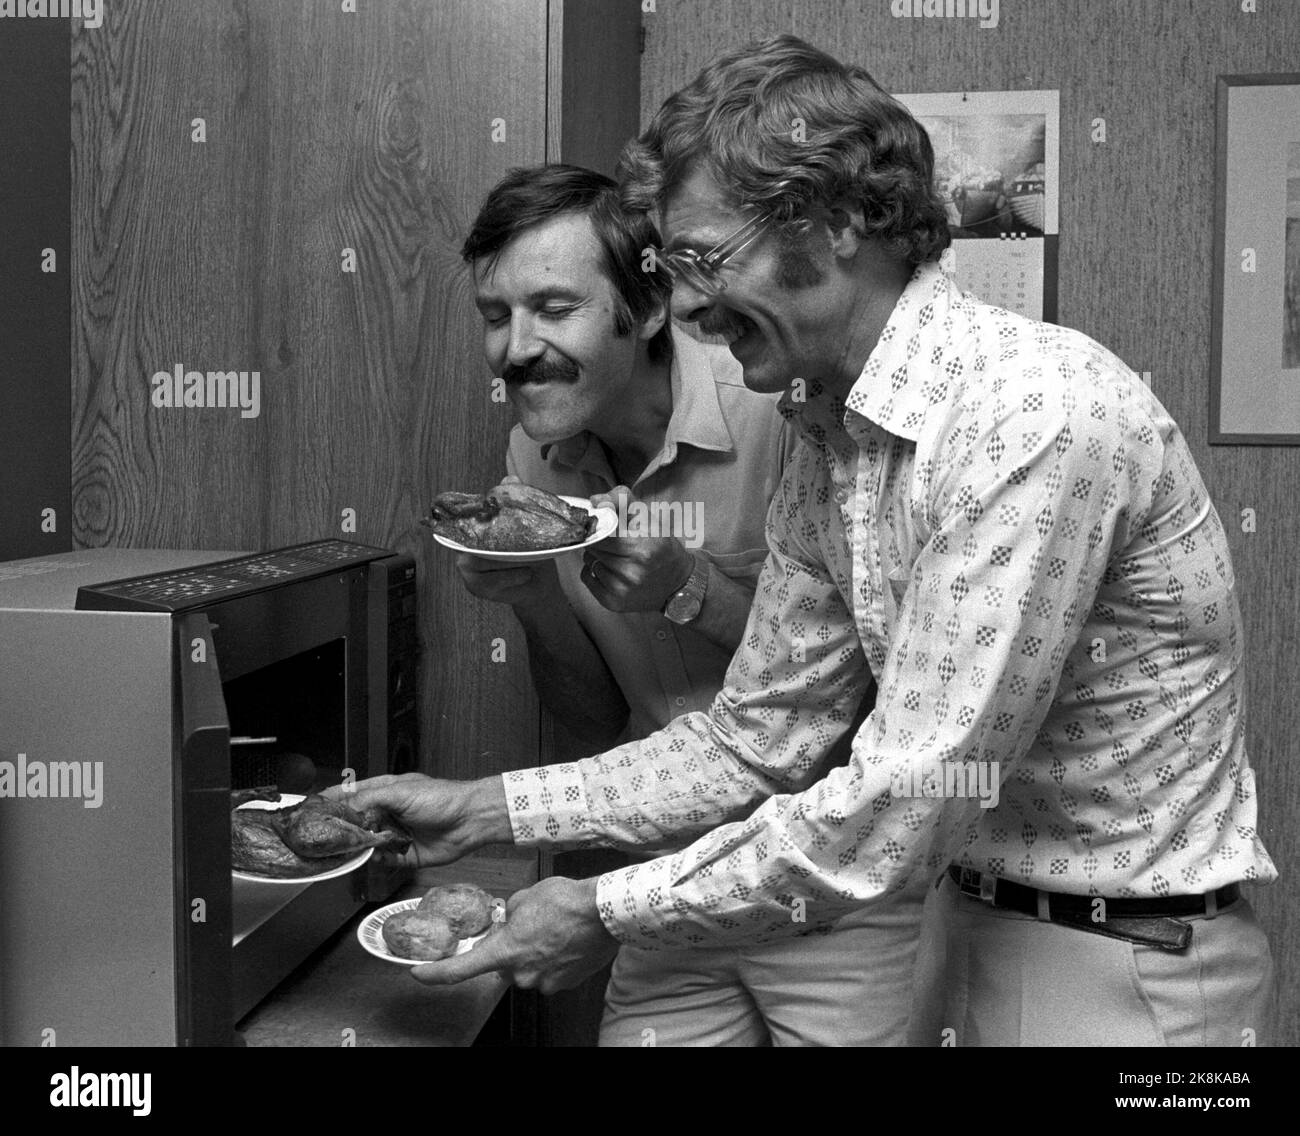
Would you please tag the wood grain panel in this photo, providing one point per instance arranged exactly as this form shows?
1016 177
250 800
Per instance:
325 130
1136 232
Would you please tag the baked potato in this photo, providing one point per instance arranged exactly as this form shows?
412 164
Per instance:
416 934
467 908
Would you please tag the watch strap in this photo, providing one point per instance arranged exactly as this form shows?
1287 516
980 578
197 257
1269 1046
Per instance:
695 588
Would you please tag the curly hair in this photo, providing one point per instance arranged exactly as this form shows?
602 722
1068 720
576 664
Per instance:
783 126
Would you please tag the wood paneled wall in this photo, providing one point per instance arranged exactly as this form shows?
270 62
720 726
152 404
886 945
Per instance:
325 131
1137 216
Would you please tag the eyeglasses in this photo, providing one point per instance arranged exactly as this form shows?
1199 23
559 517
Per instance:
700 270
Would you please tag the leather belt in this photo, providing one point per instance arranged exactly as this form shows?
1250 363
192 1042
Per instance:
1149 922
1017 897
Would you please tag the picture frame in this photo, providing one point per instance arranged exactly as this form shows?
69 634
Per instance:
1255 330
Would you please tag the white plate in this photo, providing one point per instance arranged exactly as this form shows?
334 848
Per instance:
349 865
370 933
606 525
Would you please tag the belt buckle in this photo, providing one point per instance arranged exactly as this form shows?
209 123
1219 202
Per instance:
978 885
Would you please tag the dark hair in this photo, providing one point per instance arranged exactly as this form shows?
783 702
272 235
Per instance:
528 197
782 126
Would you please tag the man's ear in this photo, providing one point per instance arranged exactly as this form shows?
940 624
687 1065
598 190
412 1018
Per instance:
845 222
654 321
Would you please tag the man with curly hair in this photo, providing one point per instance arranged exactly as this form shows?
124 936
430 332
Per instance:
995 518
616 405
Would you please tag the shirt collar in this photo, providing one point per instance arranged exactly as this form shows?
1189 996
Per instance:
696 420
900 379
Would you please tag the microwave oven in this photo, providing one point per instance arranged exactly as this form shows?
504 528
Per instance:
138 688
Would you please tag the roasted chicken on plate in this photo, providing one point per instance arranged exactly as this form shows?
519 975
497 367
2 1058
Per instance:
306 839
511 518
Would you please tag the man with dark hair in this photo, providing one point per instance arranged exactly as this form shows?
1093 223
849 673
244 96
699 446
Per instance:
614 406
996 519
527 198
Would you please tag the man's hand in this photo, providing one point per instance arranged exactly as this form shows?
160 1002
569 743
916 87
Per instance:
526 586
552 939
445 819
634 573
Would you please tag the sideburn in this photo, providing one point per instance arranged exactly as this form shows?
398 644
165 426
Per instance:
796 266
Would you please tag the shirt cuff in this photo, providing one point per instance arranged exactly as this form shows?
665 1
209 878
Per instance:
631 904
547 805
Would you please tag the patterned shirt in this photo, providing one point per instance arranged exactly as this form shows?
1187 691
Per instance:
724 449
1007 529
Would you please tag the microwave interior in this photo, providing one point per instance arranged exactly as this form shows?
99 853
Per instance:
287 724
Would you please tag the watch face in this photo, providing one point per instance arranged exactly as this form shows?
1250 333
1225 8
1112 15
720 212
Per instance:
683 607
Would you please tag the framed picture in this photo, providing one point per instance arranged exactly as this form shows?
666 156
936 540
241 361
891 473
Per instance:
1255 346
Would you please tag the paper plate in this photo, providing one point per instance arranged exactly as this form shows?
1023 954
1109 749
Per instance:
606 526
370 933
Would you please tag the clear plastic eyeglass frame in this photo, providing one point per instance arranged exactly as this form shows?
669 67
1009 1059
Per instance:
700 270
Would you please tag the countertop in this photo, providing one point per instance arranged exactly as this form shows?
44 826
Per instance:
344 996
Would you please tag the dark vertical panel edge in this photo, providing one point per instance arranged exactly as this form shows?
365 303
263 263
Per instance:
35 306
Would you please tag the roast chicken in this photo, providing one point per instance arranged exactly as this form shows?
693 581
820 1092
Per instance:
305 839
511 518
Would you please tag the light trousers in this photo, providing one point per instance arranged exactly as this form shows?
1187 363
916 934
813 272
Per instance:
1007 978
852 986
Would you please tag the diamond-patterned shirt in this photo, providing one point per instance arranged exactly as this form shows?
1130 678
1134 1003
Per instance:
1008 530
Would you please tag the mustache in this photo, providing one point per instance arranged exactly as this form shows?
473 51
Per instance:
542 370
722 323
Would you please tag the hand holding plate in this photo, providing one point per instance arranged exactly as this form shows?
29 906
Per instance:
552 938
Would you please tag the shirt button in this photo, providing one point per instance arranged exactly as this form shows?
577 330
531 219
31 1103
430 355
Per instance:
661 634
841 496
679 701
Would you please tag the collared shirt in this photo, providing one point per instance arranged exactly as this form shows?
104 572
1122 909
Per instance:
723 452
1007 528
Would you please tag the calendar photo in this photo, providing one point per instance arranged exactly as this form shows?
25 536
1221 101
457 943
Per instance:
997 171
991 172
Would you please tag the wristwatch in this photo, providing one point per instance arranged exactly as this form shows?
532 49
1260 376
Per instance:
684 605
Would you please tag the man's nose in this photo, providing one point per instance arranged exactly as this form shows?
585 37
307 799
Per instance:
524 344
689 303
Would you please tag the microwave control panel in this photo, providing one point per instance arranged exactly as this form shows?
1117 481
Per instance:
187 588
